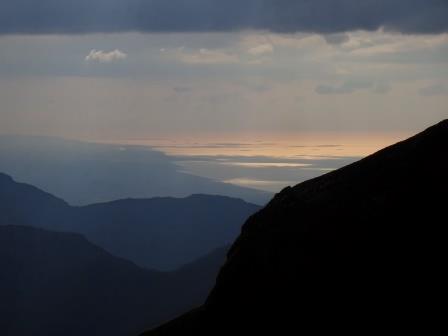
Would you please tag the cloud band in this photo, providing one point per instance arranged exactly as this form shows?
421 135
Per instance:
321 16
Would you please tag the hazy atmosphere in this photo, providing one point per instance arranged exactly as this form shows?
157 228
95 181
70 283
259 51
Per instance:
97 70
230 81
126 86
222 167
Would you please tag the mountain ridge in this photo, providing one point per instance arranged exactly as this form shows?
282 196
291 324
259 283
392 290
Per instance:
58 283
322 255
83 173
160 233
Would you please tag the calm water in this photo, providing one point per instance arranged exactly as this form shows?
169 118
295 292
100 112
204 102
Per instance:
268 162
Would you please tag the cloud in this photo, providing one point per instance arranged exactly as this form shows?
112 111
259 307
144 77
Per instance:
320 16
352 86
438 89
337 38
206 56
381 88
105 57
261 49
182 89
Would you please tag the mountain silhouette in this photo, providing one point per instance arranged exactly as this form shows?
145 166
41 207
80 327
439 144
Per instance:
357 250
158 233
56 283
163 233
83 173
23 204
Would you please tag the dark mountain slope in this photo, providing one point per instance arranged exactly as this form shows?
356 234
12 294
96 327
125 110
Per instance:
22 203
60 284
356 250
161 233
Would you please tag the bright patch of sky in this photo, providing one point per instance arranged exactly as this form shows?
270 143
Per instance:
145 85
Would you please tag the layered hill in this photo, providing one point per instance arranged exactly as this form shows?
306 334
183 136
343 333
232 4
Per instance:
55 283
160 233
84 173
360 249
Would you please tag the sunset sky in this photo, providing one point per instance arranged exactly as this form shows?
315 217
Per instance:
361 74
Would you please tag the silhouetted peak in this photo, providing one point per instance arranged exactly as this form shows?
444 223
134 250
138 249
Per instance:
437 131
358 236
417 156
443 124
5 178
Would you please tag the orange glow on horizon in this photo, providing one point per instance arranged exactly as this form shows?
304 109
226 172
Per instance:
272 145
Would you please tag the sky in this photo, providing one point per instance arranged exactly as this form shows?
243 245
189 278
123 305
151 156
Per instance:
110 70
209 71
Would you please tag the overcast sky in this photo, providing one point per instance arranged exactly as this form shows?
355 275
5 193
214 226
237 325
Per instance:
120 69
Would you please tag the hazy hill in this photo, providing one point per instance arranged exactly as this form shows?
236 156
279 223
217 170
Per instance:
358 250
61 284
84 173
163 232
160 233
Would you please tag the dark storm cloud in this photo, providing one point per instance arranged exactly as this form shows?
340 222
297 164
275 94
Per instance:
322 16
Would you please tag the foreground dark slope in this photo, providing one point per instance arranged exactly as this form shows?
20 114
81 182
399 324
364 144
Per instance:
160 233
60 284
354 250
